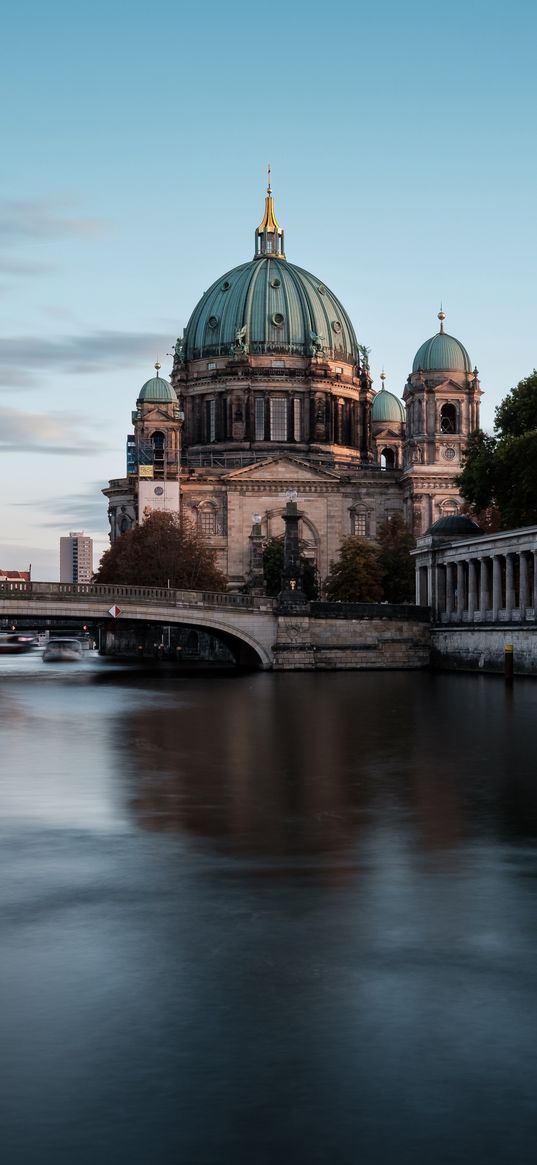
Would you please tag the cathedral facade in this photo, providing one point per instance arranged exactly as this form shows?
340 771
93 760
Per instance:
271 397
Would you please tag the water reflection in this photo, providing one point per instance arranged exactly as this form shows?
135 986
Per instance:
268 919
302 765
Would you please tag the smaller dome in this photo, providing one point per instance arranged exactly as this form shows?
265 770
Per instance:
442 353
455 526
159 390
387 407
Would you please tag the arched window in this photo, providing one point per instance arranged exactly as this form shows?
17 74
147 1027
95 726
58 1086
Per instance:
387 458
448 418
207 521
359 523
158 442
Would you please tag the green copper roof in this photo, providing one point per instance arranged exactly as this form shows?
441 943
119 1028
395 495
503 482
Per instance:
270 305
442 353
387 407
157 389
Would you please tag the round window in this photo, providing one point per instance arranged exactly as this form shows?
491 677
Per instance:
321 289
275 283
213 321
226 285
277 319
159 491
336 326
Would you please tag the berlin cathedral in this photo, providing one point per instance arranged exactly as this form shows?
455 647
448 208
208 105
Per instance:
271 397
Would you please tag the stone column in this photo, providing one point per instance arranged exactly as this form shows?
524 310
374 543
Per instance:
440 605
449 588
535 580
523 588
472 588
461 596
483 585
510 597
496 586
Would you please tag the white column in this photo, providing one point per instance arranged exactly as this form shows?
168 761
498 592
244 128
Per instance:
496 586
472 588
509 584
483 585
461 597
449 588
523 588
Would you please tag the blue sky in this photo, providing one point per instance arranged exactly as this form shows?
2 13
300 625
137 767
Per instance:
134 146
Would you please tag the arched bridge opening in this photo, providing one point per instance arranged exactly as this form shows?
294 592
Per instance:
185 642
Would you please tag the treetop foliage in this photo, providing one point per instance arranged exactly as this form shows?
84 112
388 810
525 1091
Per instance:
498 472
164 551
356 576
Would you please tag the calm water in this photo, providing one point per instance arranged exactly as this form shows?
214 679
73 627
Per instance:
271 919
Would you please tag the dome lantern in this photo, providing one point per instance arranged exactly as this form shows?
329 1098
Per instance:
269 233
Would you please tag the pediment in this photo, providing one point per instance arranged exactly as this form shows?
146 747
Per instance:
156 414
281 469
448 386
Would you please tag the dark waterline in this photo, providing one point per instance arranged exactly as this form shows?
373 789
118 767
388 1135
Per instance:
268 919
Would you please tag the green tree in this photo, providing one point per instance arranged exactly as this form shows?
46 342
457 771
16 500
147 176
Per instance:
273 569
395 542
356 576
498 473
164 551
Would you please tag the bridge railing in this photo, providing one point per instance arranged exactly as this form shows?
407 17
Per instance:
15 589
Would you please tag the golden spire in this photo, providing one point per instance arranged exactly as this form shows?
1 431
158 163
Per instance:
383 378
441 317
269 234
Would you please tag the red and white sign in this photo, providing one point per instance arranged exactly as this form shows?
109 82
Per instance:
114 611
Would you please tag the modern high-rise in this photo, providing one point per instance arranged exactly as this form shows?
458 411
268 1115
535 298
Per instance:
76 558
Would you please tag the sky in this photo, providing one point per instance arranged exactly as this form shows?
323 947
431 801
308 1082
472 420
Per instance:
134 145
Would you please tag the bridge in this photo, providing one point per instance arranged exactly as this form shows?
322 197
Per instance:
247 624
258 630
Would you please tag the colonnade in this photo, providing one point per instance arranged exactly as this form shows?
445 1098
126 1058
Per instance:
478 586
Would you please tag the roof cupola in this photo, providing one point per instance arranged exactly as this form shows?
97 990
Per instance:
269 233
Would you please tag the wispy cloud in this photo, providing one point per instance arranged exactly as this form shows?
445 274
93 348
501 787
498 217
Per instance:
58 433
82 511
40 220
23 357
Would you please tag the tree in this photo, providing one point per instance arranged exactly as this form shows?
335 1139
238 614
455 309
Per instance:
356 576
164 551
395 542
273 569
498 474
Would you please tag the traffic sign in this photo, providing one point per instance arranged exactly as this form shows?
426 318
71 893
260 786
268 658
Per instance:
115 611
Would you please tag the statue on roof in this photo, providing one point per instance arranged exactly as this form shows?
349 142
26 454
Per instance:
240 344
364 356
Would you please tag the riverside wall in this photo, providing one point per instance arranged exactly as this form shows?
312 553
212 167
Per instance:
482 649
348 637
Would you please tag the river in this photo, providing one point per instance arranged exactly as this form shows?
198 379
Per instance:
272 919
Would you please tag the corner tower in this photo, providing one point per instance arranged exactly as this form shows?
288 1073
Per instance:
442 396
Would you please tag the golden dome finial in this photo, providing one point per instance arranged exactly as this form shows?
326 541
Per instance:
157 366
269 234
383 377
441 317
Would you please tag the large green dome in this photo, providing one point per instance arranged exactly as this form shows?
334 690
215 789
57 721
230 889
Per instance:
272 307
442 353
